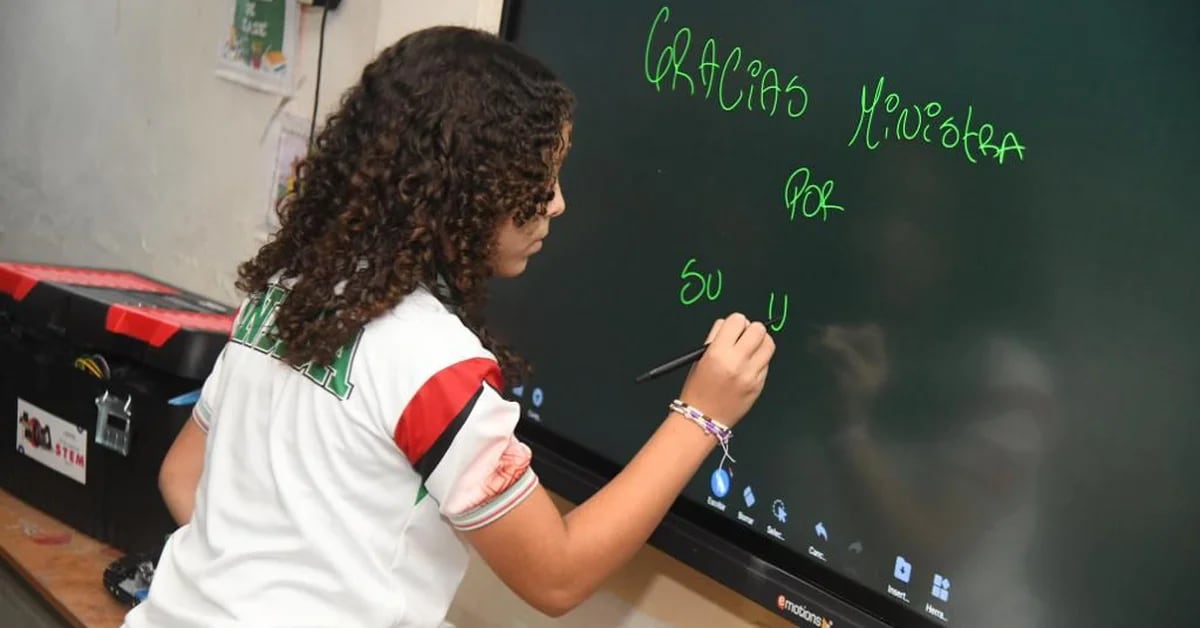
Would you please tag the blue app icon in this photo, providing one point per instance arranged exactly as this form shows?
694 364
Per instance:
538 397
779 509
941 587
748 495
903 570
720 482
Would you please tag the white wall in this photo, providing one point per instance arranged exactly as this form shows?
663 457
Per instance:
399 17
119 147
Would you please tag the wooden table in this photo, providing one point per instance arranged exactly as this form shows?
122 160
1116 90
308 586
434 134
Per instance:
63 565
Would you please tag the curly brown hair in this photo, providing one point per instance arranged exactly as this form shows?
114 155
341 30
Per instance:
449 132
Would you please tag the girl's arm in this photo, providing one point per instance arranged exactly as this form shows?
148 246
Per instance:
180 471
555 562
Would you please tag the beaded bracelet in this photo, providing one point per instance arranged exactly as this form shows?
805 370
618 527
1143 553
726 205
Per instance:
710 426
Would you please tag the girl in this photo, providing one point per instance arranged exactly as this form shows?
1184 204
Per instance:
352 436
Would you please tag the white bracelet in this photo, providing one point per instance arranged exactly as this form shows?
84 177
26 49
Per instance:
709 425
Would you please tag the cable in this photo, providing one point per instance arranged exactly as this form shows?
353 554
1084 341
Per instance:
99 360
312 129
89 365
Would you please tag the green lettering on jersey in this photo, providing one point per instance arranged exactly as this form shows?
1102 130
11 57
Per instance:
335 376
255 328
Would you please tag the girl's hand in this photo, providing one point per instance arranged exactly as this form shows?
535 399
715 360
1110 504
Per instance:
727 381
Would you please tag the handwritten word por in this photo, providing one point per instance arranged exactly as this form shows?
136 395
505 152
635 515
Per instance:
914 121
702 284
713 71
783 312
813 200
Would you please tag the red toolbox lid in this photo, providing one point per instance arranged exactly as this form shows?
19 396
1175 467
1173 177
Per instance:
120 313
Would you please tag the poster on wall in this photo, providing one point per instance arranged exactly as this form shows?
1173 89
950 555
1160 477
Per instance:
291 147
259 48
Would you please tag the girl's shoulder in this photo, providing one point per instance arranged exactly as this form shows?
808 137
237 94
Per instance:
421 328
419 341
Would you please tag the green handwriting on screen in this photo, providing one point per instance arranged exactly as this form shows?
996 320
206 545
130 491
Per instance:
781 311
726 76
915 122
800 192
698 286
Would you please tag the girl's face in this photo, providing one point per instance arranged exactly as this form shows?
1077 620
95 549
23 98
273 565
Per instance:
515 245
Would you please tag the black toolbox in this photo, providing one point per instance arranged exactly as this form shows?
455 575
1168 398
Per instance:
96 367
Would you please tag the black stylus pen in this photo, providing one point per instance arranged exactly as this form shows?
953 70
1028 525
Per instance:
686 359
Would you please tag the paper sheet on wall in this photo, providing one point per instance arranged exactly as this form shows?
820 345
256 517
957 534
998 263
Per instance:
259 48
291 147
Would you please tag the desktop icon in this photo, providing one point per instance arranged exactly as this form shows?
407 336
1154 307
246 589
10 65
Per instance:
779 510
748 495
941 587
720 482
903 570
537 397
856 547
518 391
820 530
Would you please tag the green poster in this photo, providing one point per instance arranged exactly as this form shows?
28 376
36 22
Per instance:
259 48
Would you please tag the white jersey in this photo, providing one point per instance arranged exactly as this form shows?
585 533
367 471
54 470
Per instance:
331 496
